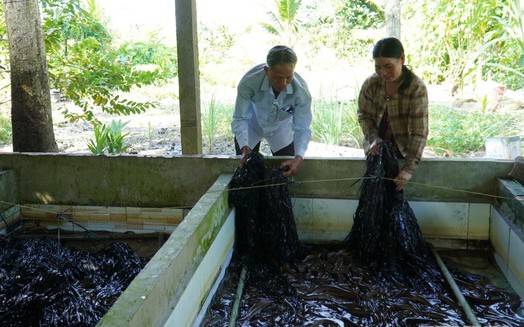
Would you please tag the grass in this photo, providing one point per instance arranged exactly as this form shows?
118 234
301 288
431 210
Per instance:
216 121
5 130
454 132
335 122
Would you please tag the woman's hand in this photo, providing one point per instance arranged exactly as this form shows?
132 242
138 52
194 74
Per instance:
374 147
402 179
293 166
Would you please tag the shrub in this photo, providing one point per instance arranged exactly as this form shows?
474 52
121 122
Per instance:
454 131
336 123
5 130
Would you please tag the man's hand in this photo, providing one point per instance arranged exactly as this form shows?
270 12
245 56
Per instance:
374 147
294 166
245 153
402 179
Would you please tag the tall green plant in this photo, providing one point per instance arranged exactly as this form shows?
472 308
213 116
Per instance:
336 123
327 125
5 130
283 20
464 35
508 39
98 145
216 121
210 122
108 138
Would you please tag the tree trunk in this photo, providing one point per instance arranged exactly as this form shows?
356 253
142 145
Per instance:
31 113
393 18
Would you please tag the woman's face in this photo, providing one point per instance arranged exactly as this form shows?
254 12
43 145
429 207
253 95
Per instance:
389 69
280 76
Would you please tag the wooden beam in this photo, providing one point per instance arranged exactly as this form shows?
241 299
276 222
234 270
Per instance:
188 76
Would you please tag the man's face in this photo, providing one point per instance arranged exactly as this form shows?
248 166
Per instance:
280 76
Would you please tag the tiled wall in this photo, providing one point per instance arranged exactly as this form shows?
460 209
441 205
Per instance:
331 219
323 219
317 219
115 219
509 246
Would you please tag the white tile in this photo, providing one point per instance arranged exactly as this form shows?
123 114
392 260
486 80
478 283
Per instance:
329 220
442 219
499 234
515 255
303 211
502 265
516 285
478 222
334 214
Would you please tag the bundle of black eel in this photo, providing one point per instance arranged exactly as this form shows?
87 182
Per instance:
332 289
265 230
43 283
385 233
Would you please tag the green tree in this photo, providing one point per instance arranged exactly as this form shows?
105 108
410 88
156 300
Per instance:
348 27
504 49
463 42
283 20
84 65
361 14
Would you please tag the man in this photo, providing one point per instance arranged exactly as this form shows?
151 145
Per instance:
273 102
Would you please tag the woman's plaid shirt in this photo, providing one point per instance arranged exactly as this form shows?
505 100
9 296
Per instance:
408 114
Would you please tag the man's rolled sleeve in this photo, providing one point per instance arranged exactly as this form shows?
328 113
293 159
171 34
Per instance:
301 125
241 115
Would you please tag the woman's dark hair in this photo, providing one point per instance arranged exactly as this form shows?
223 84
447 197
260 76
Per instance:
281 54
391 47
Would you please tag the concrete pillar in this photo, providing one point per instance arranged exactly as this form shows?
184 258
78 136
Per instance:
188 76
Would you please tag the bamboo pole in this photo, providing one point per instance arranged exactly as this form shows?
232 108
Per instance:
458 294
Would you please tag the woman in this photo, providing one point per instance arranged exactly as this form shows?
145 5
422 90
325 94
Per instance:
393 106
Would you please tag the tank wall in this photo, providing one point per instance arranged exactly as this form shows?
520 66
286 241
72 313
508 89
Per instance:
166 280
508 241
8 189
446 224
9 208
136 181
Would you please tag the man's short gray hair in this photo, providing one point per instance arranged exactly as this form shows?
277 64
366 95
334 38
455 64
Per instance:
281 54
